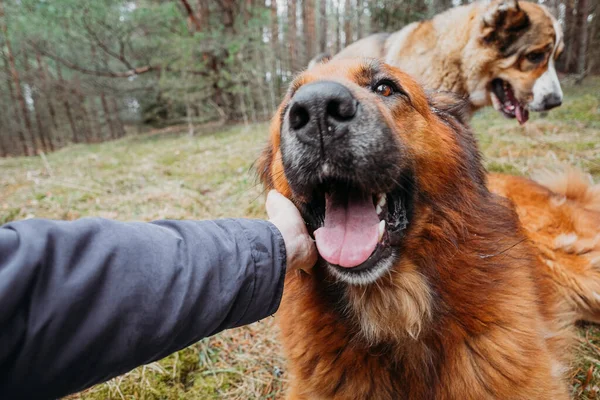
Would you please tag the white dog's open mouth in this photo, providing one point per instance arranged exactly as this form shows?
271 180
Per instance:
504 100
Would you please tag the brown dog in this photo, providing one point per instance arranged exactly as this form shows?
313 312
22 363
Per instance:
561 218
498 53
426 286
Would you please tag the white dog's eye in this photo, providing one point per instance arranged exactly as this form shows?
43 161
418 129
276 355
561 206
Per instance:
536 57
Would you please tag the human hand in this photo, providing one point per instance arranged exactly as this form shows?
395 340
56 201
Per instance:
299 246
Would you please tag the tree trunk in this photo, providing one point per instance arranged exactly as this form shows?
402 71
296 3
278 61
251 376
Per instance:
222 98
347 23
13 102
4 151
275 47
323 19
338 28
292 35
15 109
104 105
120 128
51 110
16 80
570 39
40 126
95 120
310 37
109 122
582 16
188 116
65 99
82 115
270 106
360 8
86 125
594 51
188 108
203 16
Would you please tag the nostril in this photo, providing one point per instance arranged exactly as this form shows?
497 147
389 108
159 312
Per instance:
341 110
299 116
552 102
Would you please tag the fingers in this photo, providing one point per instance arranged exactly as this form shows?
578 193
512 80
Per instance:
311 255
279 205
301 249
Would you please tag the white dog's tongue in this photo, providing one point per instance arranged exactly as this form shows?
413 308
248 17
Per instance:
350 233
521 113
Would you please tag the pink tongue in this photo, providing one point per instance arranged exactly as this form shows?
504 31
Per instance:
350 233
521 114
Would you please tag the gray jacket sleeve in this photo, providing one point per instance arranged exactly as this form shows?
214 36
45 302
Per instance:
84 301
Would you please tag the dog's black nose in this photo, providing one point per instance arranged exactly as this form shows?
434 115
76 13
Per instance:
321 111
552 100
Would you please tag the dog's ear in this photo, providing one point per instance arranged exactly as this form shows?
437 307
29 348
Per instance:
269 165
263 166
502 20
320 58
448 105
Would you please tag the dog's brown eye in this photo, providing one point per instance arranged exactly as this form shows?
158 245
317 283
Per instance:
384 89
536 57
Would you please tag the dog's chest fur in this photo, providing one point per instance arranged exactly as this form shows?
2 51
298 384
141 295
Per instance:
330 357
330 360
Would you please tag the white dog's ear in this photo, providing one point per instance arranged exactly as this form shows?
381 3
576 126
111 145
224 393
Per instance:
320 58
502 19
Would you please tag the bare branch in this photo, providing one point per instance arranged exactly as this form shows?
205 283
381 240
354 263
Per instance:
108 74
103 46
112 74
191 15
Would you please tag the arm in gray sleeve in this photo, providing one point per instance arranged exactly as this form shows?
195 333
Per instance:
84 301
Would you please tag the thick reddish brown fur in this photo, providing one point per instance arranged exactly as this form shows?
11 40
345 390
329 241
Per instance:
561 218
470 310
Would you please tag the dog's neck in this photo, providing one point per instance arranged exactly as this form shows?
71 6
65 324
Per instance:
402 306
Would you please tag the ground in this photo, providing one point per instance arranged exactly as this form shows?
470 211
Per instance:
170 175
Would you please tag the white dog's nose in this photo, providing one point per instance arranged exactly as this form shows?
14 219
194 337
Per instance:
552 100
547 92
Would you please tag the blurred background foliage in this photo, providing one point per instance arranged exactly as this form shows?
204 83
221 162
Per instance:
75 71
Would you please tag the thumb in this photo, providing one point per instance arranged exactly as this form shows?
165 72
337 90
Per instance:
277 205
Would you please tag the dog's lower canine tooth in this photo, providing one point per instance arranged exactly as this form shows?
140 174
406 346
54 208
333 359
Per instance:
381 229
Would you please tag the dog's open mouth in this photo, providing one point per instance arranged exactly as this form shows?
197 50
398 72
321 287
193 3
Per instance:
355 231
504 100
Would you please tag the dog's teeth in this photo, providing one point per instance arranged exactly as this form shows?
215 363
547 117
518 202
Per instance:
381 229
381 203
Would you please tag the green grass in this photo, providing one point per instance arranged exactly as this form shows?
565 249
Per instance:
170 175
